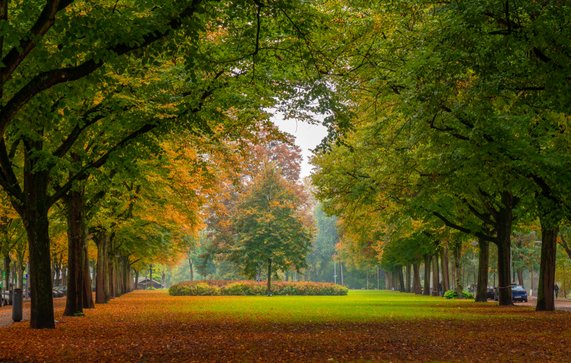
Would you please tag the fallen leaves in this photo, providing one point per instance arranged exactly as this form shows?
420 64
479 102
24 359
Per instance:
152 326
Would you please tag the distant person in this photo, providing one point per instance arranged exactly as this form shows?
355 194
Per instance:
556 288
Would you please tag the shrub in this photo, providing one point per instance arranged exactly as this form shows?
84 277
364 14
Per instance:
249 288
451 294
193 289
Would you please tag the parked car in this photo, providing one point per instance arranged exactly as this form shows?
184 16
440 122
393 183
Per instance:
491 293
519 293
58 291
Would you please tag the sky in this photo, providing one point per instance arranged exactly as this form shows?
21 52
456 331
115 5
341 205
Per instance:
307 137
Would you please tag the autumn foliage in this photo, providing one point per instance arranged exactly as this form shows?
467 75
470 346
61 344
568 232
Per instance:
241 288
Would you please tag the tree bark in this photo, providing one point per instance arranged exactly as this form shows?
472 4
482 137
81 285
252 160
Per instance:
75 260
426 290
545 290
504 220
87 290
35 217
7 276
445 271
269 286
101 241
191 269
457 252
435 276
408 287
401 278
416 278
483 264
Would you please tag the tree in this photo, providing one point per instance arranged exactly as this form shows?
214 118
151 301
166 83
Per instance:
269 230
66 90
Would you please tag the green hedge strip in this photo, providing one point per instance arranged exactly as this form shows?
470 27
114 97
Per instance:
242 288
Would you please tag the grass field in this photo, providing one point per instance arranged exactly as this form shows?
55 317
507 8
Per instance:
363 326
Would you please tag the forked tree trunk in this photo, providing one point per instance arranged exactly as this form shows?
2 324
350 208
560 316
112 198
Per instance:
426 290
483 263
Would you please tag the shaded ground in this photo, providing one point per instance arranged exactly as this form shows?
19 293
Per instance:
152 326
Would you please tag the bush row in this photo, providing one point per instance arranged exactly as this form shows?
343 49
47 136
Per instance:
241 288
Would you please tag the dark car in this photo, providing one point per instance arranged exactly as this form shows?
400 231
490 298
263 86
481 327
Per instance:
491 293
519 293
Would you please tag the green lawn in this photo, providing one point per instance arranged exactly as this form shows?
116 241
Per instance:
357 306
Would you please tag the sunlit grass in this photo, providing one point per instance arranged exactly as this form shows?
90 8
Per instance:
358 306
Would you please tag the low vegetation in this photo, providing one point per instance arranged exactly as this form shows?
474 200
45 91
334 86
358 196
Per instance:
250 288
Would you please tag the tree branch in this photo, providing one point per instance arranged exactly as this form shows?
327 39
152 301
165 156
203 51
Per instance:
99 162
7 177
457 227
48 79
18 53
88 119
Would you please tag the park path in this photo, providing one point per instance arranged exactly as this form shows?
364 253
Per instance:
560 304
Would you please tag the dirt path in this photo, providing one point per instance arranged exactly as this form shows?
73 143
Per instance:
560 304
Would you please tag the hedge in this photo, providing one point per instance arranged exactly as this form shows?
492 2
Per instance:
250 288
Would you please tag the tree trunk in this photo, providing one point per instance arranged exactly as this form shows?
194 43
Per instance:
35 217
444 269
341 271
136 279
191 269
75 260
520 277
101 241
111 277
126 270
401 278
483 264
269 286
408 278
504 220
435 276
7 277
545 290
87 289
426 290
416 278
457 252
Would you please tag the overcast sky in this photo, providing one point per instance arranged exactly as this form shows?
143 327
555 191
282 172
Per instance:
307 136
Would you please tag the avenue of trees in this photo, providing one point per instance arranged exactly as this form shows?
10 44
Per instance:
459 131
137 132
